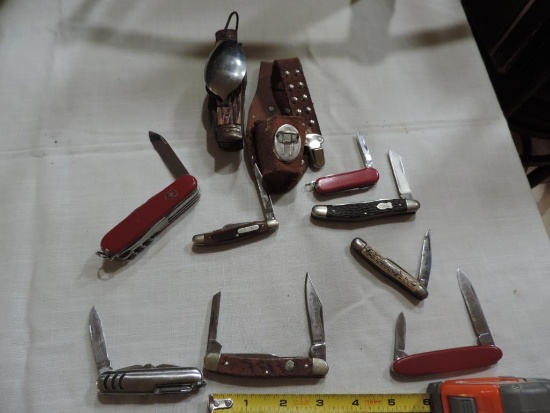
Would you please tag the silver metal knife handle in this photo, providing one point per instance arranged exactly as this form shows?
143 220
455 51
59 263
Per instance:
141 380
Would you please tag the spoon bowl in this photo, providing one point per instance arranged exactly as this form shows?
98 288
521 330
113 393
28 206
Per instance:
226 69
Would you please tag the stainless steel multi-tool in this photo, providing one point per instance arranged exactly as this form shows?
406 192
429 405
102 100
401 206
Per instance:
139 379
453 359
348 181
362 211
138 230
269 365
417 286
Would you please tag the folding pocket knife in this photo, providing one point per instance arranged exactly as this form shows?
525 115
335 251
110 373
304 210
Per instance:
417 286
363 211
453 359
137 230
348 181
243 230
139 379
270 365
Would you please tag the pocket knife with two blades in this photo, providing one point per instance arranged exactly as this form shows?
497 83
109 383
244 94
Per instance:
416 286
243 230
348 181
486 353
140 379
137 230
270 365
363 211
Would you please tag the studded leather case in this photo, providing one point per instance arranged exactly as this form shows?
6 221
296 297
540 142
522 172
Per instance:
282 127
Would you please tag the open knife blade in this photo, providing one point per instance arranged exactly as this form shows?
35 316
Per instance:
479 322
453 359
316 323
363 211
137 230
353 180
139 379
244 230
97 339
269 365
416 286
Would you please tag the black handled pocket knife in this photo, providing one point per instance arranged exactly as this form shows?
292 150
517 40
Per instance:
363 211
270 365
139 379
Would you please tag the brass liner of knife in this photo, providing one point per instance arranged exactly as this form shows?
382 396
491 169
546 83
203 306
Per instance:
270 365
135 232
484 354
145 379
416 286
363 211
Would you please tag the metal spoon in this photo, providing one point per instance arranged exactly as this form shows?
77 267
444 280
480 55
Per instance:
226 69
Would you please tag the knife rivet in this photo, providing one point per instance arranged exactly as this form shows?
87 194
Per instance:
271 108
267 372
289 365
226 363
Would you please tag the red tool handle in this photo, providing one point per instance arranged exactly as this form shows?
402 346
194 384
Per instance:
346 181
442 361
142 219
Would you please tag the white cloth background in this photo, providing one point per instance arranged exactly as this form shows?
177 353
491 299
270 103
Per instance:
82 82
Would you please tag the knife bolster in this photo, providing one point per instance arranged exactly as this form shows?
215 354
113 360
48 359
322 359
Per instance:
211 361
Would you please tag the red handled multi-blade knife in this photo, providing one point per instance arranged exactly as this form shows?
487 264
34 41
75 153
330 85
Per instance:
348 181
453 359
138 229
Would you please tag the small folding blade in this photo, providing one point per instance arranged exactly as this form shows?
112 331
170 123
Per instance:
425 261
400 332
474 310
168 155
98 343
365 154
213 346
399 175
316 324
265 199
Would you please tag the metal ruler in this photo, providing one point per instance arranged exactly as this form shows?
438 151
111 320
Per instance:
319 403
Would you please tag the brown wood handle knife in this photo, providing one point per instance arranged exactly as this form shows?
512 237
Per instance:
265 365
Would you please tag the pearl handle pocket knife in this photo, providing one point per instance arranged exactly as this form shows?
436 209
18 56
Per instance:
138 230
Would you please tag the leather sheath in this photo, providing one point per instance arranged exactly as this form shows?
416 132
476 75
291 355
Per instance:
282 98
227 119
